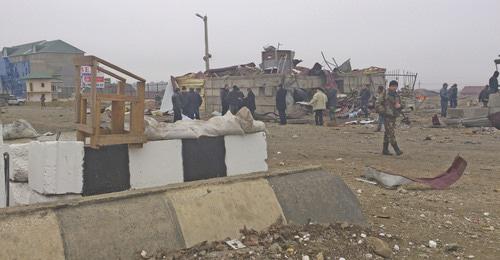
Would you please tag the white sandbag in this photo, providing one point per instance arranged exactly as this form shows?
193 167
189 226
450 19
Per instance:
247 123
18 154
19 129
226 125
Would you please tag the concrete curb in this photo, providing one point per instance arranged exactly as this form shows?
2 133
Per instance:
120 225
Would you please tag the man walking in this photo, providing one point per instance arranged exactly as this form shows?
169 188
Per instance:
224 92
443 93
494 83
390 106
453 94
484 96
332 103
250 101
365 95
318 102
281 104
177 105
186 103
235 99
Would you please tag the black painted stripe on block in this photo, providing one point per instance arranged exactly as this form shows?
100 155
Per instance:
204 158
106 170
120 229
316 196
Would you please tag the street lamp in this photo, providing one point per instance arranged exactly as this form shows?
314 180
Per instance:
207 55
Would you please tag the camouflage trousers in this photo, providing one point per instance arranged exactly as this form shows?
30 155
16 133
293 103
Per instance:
390 132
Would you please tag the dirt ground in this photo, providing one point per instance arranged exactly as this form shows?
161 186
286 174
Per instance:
464 217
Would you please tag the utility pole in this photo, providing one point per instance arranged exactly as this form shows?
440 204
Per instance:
207 56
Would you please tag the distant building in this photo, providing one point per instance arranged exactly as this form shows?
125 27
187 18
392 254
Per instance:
471 90
38 84
47 58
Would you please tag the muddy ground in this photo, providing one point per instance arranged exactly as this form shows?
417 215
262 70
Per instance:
466 215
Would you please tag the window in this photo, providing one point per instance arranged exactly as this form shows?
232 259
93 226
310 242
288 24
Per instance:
31 86
43 85
53 88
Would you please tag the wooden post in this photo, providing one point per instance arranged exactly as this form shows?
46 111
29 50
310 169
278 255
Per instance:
95 106
118 112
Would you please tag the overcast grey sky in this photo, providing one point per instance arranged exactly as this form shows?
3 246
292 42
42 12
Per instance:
442 40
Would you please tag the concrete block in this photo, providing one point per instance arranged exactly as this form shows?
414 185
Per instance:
106 170
476 122
21 194
203 158
454 113
246 153
55 167
494 100
3 198
119 229
476 112
157 163
18 154
30 236
317 196
493 110
215 212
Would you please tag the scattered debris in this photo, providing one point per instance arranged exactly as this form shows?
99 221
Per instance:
235 244
442 181
366 181
432 244
380 247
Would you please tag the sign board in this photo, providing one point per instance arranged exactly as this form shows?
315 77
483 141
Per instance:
86 78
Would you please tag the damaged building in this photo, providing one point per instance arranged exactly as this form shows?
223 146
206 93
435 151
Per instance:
279 67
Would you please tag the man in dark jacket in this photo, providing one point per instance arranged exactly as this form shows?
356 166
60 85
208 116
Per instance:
186 103
332 102
224 92
281 104
494 83
197 101
250 101
390 106
177 105
443 93
453 95
235 100
484 96
365 95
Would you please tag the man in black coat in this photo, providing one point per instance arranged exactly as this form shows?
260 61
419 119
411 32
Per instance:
250 101
494 83
235 100
365 95
331 93
281 103
177 105
186 103
484 96
197 101
453 96
224 92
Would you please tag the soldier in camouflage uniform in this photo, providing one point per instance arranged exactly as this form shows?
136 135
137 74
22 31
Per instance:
390 106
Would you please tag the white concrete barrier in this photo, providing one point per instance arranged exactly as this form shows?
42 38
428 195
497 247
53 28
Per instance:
245 153
157 163
21 194
18 154
55 167
494 100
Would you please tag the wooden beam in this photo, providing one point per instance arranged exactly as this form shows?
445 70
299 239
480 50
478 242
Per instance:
111 65
78 83
83 61
84 128
137 111
109 73
117 117
114 97
120 139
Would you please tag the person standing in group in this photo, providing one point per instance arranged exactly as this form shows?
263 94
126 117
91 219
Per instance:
250 101
494 83
390 106
484 96
235 99
281 103
186 104
332 103
318 103
453 95
365 95
224 92
42 101
443 94
197 101
378 98
177 105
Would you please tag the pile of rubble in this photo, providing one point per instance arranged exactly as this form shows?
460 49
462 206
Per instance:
311 242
